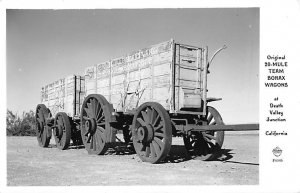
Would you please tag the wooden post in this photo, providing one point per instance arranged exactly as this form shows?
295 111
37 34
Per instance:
205 64
172 82
74 107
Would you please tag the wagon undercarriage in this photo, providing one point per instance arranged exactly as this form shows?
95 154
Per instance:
149 129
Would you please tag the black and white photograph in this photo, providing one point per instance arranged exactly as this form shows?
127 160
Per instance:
197 97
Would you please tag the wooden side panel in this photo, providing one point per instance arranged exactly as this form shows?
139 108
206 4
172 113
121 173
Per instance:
63 96
138 77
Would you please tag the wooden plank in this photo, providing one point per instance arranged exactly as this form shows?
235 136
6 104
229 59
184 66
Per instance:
162 69
103 82
192 100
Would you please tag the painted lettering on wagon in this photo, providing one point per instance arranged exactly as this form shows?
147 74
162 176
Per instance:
89 72
156 49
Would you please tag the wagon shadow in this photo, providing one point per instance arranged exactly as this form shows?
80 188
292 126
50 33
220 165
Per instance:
224 155
120 148
177 154
76 146
70 147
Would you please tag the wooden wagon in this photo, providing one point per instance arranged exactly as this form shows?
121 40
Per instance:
151 95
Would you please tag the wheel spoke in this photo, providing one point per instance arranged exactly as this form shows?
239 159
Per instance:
145 117
100 119
159 142
102 137
206 139
156 148
87 110
93 103
192 141
158 128
86 133
147 151
95 142
149 114
100 112
101 129
209 118
157 134
209 136
157 120
92 142
213 123
143 147
85 117
89 138
141 121
153 154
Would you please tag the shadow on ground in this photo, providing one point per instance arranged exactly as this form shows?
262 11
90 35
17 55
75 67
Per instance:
177 154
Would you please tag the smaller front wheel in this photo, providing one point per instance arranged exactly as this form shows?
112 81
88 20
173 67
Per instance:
62 131
151 132
205 145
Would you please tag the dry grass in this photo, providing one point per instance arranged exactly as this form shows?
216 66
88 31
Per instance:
23 125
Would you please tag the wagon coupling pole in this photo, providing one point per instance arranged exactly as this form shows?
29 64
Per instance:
204 128
211 59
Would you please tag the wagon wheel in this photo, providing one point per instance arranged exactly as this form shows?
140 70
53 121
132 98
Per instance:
151 132
94 124
62 131
205 145
43 132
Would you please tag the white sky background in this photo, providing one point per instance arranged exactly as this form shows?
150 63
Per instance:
45 45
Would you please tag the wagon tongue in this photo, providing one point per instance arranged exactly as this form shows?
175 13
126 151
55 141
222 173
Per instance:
238 127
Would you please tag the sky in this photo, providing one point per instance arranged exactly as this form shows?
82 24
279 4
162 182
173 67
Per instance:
45 45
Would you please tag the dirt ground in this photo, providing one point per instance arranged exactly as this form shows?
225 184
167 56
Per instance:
28 164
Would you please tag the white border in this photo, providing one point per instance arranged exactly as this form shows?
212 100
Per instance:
279 33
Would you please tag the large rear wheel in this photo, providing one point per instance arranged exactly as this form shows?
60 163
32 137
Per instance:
95 126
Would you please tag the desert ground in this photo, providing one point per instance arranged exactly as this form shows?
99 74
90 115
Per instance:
30 165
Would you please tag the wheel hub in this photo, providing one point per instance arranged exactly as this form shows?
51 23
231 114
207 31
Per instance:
91 125
145 133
